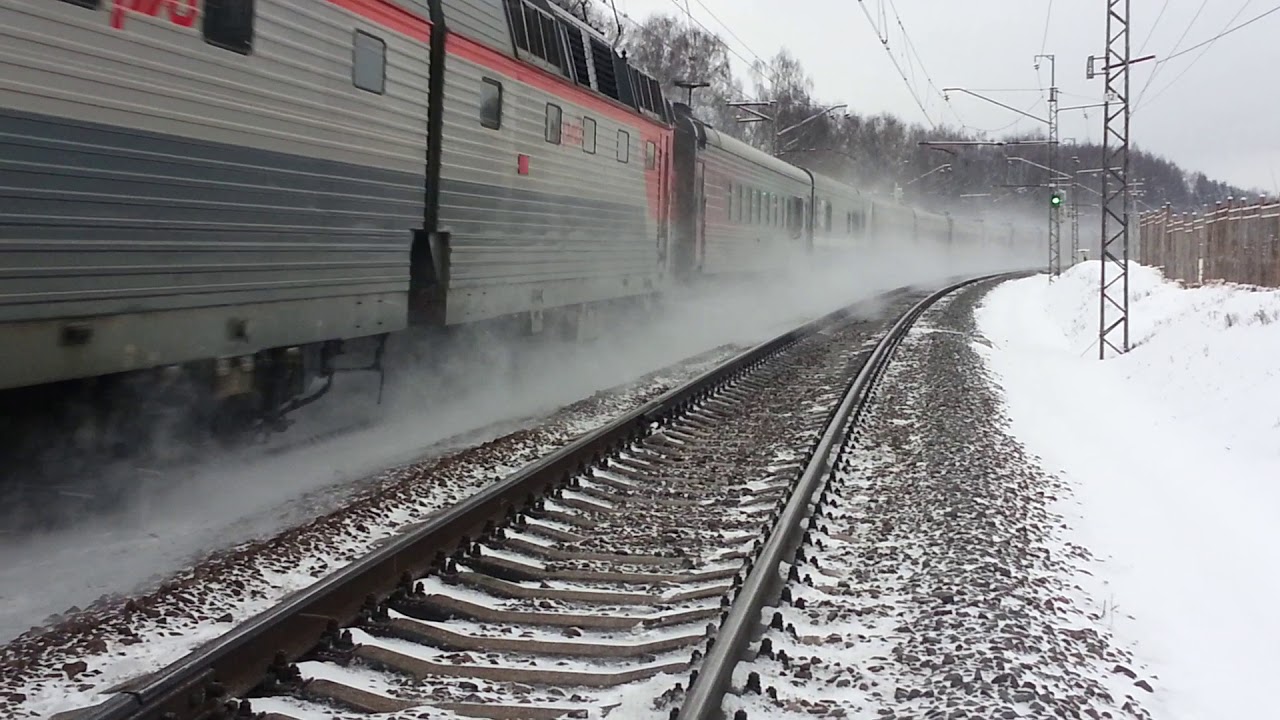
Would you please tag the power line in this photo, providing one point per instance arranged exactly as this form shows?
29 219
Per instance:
726 26
1047 17
1151 78
911 47
884 40
1209 43
1215 38
1015 122
911 66
750 66
1153 27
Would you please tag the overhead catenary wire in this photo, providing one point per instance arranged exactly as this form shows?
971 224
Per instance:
1154 25
728 29
1002 128
1207 45
1156 71
1048 15
885 41
911 47
751 67
1222 34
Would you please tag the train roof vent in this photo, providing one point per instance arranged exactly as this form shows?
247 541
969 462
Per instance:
578 55
659 103
639 89
537 35
606 78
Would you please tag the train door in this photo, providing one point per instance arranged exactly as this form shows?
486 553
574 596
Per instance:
700 204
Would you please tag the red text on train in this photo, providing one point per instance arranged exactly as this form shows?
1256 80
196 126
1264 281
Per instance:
182 13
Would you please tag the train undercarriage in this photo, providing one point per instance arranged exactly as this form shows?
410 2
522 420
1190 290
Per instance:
84 442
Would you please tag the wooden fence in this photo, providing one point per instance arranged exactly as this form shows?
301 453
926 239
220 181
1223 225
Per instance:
1233 242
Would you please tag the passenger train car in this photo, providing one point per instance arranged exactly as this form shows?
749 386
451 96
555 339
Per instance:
239 189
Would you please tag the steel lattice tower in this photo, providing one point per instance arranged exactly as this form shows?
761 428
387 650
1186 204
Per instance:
1113 312
1055 211
1075 212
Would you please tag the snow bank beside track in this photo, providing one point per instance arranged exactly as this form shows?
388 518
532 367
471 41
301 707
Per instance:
1173 454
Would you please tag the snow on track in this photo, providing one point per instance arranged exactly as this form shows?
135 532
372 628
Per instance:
936 582
1173 454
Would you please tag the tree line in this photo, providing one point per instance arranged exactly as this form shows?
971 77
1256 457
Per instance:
879 153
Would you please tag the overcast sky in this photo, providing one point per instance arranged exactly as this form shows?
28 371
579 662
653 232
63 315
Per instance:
1221 116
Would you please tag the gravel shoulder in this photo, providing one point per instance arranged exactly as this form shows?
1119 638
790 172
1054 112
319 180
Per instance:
939 581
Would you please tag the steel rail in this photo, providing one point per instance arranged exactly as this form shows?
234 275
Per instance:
706 693
197 684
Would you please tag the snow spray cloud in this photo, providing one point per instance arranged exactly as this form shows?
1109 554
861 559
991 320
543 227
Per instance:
480 383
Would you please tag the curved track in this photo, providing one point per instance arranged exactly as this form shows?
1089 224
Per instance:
765 580
580 583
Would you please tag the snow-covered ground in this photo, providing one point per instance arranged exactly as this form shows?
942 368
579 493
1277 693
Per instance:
1173 453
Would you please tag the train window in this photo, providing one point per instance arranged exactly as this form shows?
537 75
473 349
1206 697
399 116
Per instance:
491 104
369 63
588 135
228 24
624 146
91 4
826 223
554 117
729 212
650 156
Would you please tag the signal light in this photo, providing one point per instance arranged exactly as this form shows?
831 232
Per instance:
1055 199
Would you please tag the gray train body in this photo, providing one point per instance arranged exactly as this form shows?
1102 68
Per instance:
178 189
741 211
168 199
228 184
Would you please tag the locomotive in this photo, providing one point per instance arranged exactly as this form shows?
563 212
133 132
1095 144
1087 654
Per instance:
240 191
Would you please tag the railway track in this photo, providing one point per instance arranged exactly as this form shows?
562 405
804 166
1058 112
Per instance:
625 571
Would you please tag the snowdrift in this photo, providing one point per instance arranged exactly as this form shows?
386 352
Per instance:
1174 454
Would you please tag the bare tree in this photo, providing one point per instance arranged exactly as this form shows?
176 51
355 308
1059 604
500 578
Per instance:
674 51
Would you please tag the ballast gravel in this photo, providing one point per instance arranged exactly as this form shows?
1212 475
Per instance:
83 653
937 583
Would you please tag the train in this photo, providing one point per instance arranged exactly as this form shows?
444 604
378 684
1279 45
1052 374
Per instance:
240 191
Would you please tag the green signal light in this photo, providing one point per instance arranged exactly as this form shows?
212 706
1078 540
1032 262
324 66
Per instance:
1055 199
